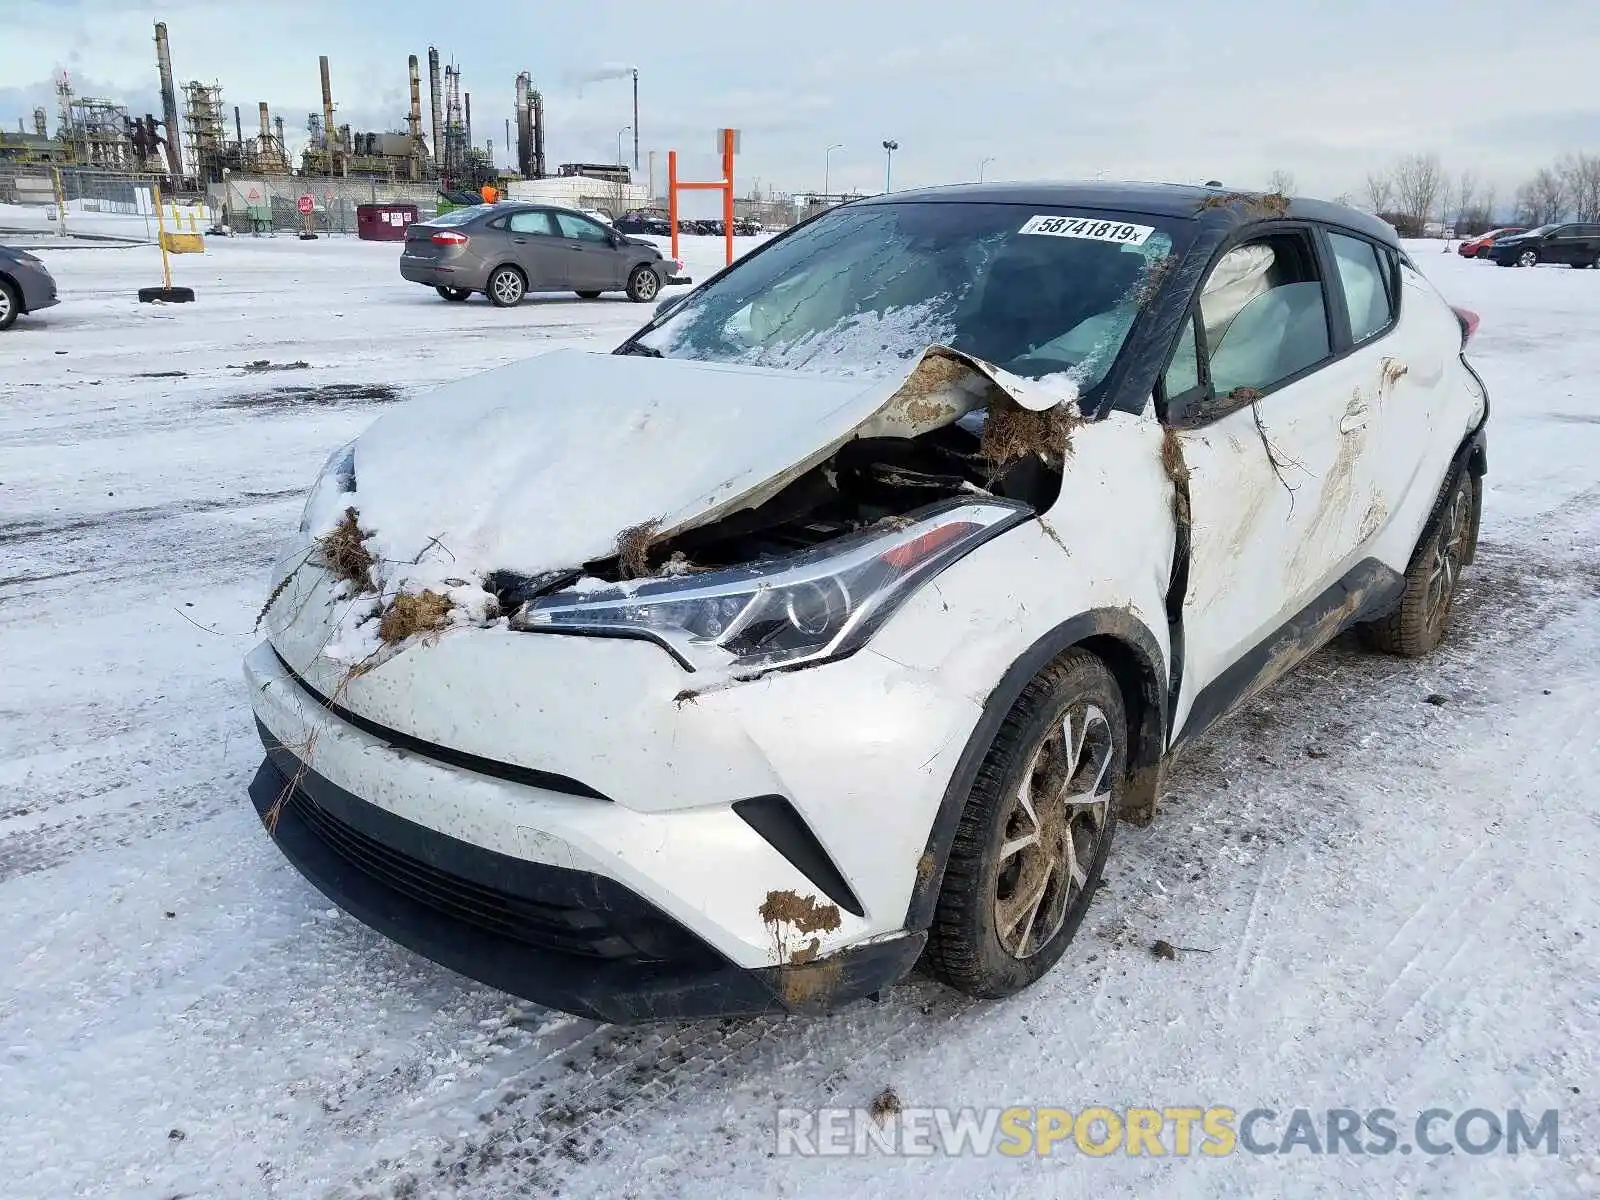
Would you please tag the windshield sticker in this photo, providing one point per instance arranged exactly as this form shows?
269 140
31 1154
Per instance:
1089 229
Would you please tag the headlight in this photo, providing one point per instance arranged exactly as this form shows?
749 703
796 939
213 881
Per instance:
808 608
337 478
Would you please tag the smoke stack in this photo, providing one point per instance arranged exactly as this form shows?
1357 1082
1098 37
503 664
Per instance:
169 99
414 121
466 104
437 105
537 100
278 125
524 127
41 124
327 110
266 130
238 126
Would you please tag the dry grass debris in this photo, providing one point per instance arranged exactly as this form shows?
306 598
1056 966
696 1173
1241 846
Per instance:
1012 433
346 556
886 1104
633 548
408 614
1252 204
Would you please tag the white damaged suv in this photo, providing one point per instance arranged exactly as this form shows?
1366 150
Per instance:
833 622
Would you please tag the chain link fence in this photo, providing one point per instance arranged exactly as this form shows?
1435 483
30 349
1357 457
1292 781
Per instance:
83 202
269 206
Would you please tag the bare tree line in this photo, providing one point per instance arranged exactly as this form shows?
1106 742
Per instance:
1418 190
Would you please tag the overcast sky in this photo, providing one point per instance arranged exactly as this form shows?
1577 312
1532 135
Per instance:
1160 89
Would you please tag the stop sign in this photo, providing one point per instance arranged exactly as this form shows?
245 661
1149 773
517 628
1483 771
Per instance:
307 203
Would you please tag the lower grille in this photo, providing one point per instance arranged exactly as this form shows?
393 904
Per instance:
564 929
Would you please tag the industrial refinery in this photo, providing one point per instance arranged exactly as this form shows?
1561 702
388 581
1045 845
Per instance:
199 136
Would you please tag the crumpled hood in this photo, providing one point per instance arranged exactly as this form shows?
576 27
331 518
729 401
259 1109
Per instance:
540 465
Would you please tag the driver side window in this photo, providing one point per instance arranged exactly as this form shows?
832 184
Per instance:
1264 315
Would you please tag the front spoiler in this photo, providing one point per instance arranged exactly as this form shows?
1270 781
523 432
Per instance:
699 984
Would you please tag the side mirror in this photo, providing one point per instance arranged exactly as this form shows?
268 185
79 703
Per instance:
667 306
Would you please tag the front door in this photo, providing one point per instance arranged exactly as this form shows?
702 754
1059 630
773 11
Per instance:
538 250
1274 428
593 263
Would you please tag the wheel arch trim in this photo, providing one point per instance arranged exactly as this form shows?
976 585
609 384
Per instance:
1134 658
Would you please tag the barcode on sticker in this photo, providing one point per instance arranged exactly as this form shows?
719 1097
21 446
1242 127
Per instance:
1090 229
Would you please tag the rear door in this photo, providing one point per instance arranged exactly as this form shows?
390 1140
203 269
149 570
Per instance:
593 263
537 250
1566 245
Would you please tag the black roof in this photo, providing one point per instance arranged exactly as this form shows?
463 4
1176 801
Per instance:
1178 200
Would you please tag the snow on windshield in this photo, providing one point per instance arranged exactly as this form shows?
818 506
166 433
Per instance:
863 291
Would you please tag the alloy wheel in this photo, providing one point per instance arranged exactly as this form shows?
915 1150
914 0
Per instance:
1448 550
1529 258
5 305
647 286
1058 818
507 287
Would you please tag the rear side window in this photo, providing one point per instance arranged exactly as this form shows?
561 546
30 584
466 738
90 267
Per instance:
1366 285
532 222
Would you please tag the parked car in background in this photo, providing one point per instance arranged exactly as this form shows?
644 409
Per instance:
26 285
509 249
1571 244
834 622
1478 247
653 222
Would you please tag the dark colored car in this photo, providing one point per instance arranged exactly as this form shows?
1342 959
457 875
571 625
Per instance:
1576 245
508 250
26 285
648 221
1478 247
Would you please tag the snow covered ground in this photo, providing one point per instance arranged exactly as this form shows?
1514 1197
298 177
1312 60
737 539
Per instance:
1398 899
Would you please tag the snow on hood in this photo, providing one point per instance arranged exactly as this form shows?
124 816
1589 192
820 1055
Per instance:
539 466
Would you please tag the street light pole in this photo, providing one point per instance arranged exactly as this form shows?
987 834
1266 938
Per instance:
827 167
889 147
981 166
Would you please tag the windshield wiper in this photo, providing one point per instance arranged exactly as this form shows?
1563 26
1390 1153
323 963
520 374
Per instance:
639 349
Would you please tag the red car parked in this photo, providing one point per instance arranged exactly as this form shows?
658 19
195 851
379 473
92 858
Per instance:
1478 247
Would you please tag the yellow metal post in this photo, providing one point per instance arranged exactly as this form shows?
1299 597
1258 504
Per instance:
61 198
166 267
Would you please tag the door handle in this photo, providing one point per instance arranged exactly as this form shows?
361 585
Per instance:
519 241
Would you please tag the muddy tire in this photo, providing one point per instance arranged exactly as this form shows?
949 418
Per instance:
644 285
10 305
588 295
1449 540
1035 832
507 287
455 295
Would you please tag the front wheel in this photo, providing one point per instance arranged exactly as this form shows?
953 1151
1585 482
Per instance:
1422 618
10 305
643 285
1528 258
507 287
454 294
1033 838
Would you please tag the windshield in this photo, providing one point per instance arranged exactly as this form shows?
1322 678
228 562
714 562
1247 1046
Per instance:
1039 291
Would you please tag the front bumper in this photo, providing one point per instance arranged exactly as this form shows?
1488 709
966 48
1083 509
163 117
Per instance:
38 290
572 940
